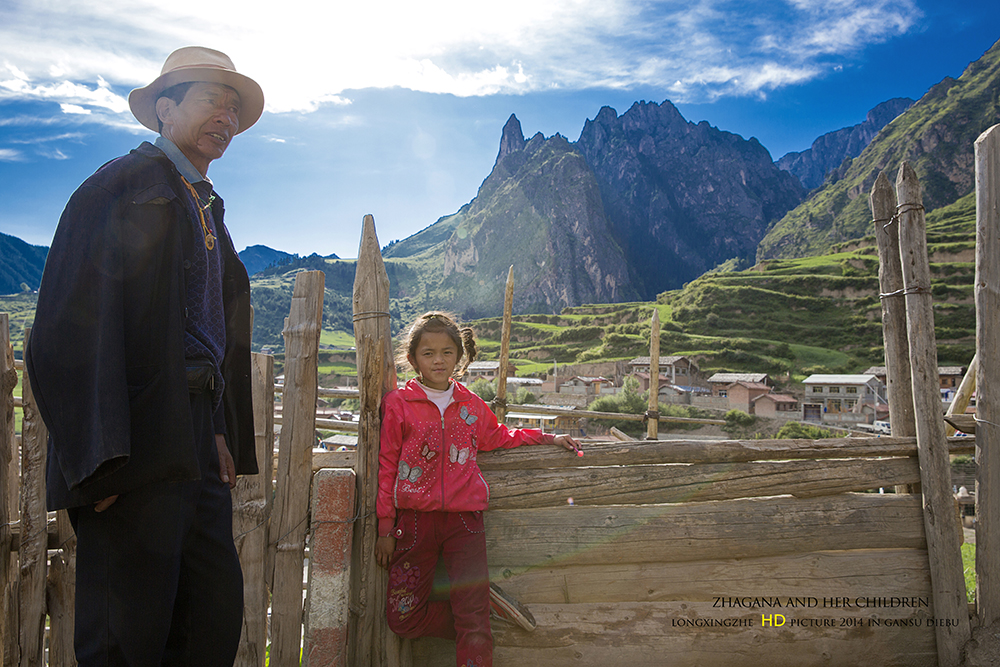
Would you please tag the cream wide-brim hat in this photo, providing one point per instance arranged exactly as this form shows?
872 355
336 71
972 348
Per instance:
197 63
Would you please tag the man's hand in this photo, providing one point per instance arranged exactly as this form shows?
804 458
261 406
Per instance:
227 469
105 504
384 546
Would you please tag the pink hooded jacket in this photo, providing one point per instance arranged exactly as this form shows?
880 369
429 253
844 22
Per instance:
428 462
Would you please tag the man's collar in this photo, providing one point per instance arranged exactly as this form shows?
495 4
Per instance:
180 161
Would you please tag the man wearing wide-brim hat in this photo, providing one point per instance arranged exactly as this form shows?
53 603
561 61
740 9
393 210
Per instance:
140 361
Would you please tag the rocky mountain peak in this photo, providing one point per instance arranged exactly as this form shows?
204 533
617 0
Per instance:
645 115
512 139
831 154
681 197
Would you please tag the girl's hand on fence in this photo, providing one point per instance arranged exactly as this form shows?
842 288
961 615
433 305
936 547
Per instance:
384 546
569 443
105 504
227 469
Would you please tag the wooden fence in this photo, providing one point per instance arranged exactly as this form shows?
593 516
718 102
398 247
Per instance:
654 552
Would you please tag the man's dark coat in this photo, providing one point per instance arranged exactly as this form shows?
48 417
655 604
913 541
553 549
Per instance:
106 352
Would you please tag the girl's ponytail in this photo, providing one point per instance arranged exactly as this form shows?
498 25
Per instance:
469 345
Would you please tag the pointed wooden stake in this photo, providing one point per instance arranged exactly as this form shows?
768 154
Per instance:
371 642
653 411
940 518
987 395
890 278
500 404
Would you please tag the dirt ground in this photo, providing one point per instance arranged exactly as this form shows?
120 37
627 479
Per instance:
984 649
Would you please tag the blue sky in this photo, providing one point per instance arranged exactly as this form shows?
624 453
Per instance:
396 108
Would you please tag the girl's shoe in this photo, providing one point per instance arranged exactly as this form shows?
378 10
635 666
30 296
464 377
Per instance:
506 608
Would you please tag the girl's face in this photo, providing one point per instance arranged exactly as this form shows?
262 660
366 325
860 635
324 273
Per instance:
435 359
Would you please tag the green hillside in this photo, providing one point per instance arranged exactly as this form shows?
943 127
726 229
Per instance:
936 136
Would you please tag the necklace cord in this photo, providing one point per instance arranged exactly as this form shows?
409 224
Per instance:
209 238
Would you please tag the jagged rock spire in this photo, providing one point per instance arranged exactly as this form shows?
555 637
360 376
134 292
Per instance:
512 139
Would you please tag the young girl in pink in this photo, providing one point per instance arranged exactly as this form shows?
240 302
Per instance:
432 494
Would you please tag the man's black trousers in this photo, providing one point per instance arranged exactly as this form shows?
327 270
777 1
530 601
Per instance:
158 578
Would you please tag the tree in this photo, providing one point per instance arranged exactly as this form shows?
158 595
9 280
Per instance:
484 389
739 424
524 395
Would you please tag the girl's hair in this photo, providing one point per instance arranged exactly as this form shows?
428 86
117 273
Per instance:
436 321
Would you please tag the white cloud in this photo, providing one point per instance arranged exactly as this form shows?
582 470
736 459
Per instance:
306 54
53 153
66 136
10 155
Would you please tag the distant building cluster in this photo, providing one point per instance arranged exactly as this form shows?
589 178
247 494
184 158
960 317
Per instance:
851 401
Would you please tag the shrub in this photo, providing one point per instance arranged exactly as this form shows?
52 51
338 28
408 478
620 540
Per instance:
484 389
797 431
739 424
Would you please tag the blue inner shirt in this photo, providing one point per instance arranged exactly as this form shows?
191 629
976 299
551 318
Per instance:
205 326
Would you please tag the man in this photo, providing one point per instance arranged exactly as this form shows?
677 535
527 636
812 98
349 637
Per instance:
139 360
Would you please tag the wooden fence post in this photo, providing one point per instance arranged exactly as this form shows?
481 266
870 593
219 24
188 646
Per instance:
371 642
653 410
988 395
60 599
252 505
940 518
298 435
882 201
890 277
500 402
8 380
32 554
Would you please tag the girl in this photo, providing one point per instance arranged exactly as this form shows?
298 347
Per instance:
432 494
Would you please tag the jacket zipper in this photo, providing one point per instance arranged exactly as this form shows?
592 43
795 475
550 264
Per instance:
444 454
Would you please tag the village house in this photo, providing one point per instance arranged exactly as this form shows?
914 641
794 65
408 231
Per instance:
675 370
533 384
843 399
720 382
574 426
488 370
742 394
586 386
775 406
949 377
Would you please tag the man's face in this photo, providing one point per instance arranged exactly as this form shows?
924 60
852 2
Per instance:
203 124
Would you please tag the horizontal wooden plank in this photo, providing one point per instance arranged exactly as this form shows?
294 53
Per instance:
327 424
883 572
654 453
962 422
333 459
696 634
617 416
746 528
708 451
50 527
672 483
